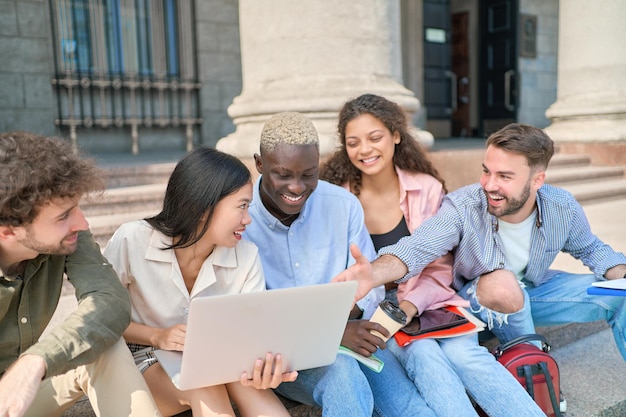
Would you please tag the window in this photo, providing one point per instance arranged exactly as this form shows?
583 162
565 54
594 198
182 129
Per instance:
121 36
125 63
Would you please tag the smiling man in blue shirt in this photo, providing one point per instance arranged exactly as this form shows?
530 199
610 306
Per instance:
505 232
303 228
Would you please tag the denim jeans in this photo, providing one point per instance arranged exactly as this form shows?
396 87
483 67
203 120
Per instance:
562 299
347 388
444 369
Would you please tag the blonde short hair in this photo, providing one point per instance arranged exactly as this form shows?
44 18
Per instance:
290 128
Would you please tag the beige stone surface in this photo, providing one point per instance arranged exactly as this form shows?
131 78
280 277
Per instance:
314 63
591 99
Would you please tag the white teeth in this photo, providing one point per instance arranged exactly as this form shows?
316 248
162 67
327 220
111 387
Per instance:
294 199
495 197
368 160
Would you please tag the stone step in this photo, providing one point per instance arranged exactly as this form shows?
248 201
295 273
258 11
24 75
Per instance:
126 200
593 376
567 174
597 191
103 227
137 174
560 159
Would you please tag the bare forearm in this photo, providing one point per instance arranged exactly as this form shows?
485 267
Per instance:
140 334
170 338
388 268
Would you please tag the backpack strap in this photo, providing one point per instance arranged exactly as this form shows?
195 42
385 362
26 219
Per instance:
528 375
528 371
555 404
545 346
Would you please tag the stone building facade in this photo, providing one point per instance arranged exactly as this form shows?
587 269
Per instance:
139 75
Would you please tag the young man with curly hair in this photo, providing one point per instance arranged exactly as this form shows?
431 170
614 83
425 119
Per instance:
44 236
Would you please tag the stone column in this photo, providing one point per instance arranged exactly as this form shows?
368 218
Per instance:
311 56
590 112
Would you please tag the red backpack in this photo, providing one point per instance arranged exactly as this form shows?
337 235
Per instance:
535 369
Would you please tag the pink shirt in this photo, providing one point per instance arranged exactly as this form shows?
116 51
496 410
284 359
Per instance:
420 198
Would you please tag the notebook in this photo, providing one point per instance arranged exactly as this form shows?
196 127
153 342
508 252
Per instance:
226 334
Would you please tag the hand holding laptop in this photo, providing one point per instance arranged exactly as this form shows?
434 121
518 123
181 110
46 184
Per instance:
268 373
170 338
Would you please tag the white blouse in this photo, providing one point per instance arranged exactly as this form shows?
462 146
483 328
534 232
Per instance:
155 283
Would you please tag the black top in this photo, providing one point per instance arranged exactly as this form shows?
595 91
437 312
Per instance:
391 237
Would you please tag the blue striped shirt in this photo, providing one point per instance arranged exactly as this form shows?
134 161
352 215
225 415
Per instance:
464 226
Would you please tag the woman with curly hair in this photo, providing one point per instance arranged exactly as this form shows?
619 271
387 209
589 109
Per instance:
399 188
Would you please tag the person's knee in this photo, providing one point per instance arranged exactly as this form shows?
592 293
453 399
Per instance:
500 291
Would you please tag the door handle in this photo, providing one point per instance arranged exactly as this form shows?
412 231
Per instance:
453 89
508 76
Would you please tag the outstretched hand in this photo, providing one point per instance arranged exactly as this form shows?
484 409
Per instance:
268 373
361 271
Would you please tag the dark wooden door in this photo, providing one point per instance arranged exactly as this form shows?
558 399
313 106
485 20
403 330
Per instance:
461 69
498 84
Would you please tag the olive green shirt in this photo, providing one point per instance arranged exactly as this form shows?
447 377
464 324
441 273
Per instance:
27 304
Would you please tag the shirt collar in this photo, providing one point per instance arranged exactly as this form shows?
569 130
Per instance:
408 181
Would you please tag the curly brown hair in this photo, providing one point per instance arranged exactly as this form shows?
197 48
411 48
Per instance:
408 154
35 170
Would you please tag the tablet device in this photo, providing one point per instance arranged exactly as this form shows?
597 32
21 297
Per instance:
432 320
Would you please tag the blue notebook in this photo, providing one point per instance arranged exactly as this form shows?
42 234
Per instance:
593 290
609 287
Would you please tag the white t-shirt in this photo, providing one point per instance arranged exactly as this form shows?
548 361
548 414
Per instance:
155 283
515 238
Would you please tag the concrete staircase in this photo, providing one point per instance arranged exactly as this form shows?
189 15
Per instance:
589 184
586 353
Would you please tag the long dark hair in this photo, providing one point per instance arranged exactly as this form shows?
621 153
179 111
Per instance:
408 154
199 181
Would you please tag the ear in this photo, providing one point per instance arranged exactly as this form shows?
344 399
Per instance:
7 233
258 163
539 178
396 137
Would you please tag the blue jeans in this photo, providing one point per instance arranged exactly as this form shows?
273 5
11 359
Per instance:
562 299
347 388
444 369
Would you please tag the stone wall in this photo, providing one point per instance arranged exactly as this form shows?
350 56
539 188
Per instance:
26 94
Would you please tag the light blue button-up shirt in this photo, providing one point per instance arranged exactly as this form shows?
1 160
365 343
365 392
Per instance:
464 226
315 248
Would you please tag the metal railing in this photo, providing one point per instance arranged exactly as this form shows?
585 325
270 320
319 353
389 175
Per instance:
125 63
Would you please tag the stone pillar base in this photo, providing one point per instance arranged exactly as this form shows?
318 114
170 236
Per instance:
321 104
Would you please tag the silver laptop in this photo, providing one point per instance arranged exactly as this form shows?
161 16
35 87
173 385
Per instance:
226 334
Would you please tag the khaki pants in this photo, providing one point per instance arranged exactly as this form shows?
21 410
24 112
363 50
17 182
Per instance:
112 383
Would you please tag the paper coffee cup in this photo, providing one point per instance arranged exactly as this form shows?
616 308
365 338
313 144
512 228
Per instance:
390 316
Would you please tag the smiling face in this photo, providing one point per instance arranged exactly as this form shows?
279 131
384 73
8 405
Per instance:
509 184
370 145
230 218
289 176
55 229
